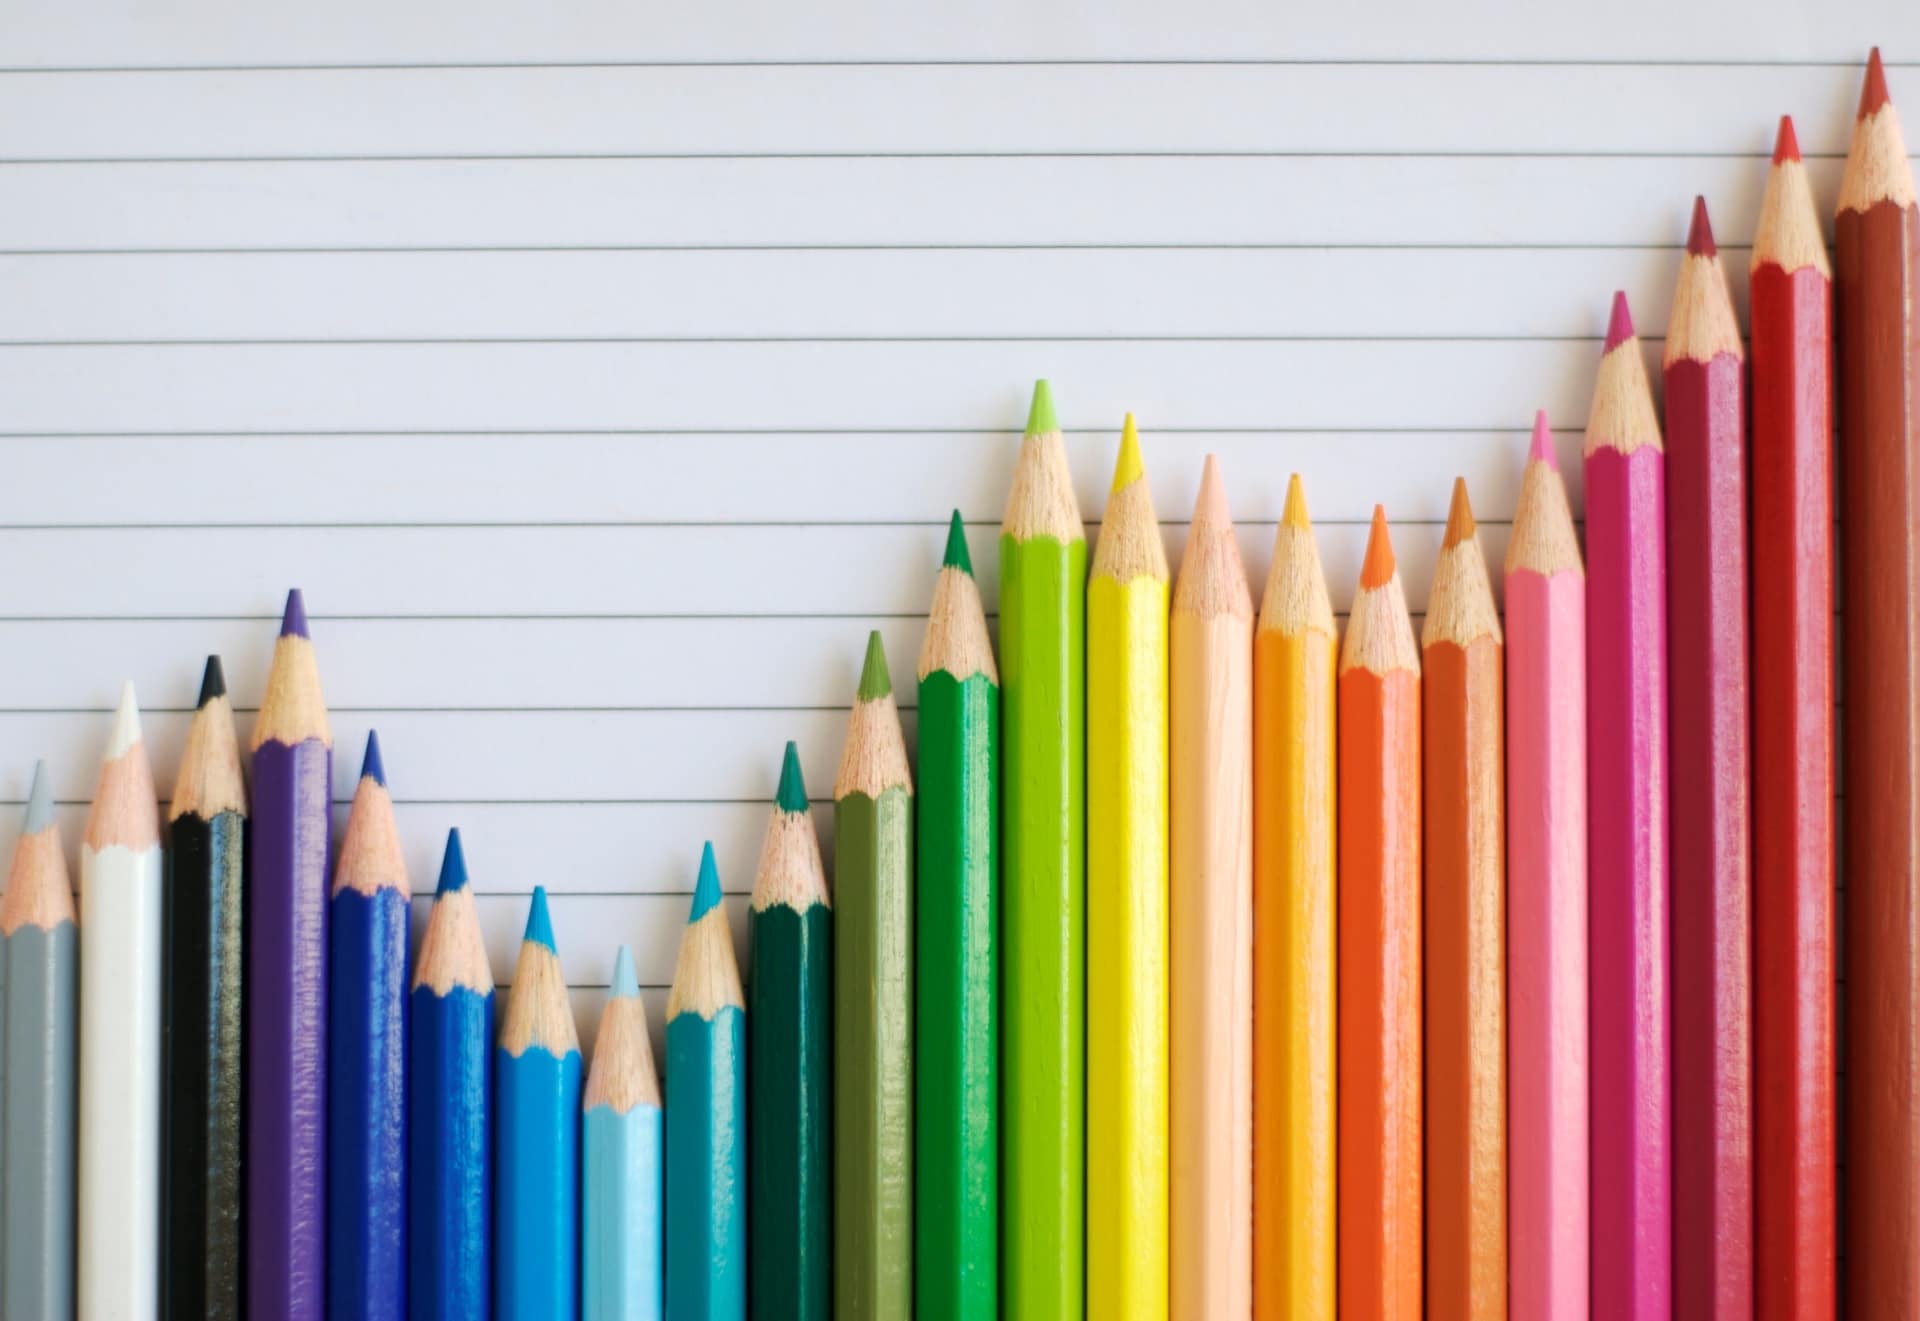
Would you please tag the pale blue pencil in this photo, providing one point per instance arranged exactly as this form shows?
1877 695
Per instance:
620 1275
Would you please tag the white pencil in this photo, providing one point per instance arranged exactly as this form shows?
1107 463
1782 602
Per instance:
120 912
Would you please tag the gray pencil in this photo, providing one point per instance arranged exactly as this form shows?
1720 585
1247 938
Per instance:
42 964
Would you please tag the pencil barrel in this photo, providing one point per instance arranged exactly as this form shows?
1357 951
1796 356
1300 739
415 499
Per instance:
620 1226
41 980
706 1234
537 1164
449 1143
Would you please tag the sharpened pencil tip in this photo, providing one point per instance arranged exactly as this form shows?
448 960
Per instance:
539 921
1873 92
1378 568
1700 233
1128 467
1541 450
957 556
1786 146
875 683
293 620
126 724
706 890
39 802
1040 418
213 681
1460 524
1295 513
625 985
1619 323
371 766
1210 506
453 865
792 794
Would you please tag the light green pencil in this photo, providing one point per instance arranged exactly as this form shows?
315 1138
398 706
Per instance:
1043 597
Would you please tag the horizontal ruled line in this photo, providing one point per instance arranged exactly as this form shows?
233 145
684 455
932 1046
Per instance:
957 62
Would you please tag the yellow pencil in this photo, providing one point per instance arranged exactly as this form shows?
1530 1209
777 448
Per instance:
1295 658
1127 904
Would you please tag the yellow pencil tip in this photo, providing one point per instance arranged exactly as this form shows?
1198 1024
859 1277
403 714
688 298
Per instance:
1128 467
1295 514
1460 524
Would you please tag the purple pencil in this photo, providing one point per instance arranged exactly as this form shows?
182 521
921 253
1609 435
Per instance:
286 979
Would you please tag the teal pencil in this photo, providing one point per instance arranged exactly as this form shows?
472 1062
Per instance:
620 1270
39 967
706 1117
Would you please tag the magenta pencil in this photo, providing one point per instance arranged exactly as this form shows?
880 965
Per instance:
1706 421
1547 1178
1627 837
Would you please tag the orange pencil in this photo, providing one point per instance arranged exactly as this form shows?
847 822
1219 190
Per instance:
1466 959
1379 1039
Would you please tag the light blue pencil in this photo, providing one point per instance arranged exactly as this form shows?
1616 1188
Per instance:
620 1246
536 1254
706 1117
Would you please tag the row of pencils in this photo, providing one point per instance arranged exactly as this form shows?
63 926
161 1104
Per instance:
1212 962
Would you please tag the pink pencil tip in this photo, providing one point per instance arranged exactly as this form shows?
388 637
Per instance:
1211 506
1873 92
1700 232
1786 147
1620 323
1541 450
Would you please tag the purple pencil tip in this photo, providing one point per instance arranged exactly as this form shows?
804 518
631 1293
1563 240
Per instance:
293 623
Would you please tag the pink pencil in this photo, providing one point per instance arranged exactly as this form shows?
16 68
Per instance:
1707 652
1627 836
1546 898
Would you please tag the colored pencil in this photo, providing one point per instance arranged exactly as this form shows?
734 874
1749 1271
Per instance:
957 956
1127 1061
1295 656
536 1136
286 981
206 906
1210 723
1627 835
790 1065
1379 957
449 1108
706 1117
1877 248
1043 597
1464 754
620 1226
120 947
366 1071
873 1007
1705 369
39 970
1547 1168
1791 306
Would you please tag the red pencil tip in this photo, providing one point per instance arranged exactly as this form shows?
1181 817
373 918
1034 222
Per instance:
1620 323
1377 569
1873 92
1541 450
1700 232
1786 147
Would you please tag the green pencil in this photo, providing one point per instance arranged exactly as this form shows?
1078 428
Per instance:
789 1063
873 1009
1043 597
956 1046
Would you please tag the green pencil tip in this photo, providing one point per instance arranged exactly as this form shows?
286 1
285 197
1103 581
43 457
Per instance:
792 795
1040 418
957 556
874 680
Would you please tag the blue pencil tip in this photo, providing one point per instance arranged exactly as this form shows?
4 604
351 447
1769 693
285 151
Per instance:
453 865
625 984
293 623
706 891
371 767
39 802
539 924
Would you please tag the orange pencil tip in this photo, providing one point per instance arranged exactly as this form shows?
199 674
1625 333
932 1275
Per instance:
1873 92
1211 506
1295 514
1786 147
1378 568
1460 524
1541 449
1700 232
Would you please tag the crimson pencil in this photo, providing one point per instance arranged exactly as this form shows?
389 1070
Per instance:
1627 836
1877 243
1706 421
1791 306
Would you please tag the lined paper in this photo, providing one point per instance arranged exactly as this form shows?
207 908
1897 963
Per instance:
604 377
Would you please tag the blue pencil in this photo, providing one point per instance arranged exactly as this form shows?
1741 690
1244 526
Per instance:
366 1066
620 1244
536 1257
449 1101
706 1117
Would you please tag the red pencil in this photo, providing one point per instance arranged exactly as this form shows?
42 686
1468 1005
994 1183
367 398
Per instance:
1877 241
1791 305
1707 665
